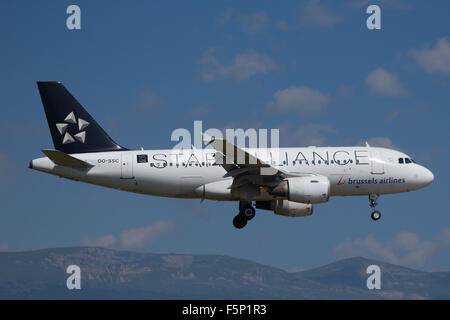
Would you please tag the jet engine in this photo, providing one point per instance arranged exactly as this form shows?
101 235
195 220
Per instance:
309 189
286 208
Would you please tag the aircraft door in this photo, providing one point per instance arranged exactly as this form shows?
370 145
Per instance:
377 162
127 165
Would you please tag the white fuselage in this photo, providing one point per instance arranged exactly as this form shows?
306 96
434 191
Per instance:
185 173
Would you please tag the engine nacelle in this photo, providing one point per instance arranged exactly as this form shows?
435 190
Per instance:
310 189
218 190
286 208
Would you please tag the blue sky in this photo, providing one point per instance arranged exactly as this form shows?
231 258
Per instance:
310 68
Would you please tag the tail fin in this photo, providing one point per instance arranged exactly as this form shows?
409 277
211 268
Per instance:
72 128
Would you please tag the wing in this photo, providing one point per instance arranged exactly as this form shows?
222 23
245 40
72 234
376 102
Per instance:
248 171
231 157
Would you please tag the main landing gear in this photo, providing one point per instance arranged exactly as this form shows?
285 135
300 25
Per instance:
376 215
246 213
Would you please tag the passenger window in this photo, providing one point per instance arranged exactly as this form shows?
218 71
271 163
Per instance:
400 160
407 160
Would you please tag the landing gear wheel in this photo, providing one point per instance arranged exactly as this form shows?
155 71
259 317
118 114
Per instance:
376 215
248 213
240 221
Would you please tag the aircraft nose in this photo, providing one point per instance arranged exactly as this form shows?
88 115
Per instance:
425 176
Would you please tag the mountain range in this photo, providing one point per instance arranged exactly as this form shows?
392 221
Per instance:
114 274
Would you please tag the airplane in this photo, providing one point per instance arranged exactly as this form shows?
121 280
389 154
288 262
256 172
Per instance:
287 181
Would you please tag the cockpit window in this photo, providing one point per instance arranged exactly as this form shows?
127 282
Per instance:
405 160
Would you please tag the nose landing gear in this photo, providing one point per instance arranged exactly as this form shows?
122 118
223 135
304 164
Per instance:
246 213
376 215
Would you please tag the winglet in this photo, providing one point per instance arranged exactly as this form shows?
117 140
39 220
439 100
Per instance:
367 145
62 159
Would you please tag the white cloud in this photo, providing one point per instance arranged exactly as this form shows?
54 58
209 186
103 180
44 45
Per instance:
243 66
405 249
150 101
315 14
134 238
382 142
384 83
443 238
299 99
314 134
104 241
435 59
248 64
145 236
250 23
253 23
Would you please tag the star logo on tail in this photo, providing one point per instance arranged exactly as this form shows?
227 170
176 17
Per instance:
70 119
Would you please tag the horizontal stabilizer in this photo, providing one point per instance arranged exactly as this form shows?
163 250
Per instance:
62 159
